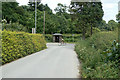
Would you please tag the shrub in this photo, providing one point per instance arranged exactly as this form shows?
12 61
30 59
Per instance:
66 37
71 37
103 40
16 45
48 38
14 27
93 63
112 53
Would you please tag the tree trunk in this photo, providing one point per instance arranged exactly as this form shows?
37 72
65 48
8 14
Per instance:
44 24
83 35
91 30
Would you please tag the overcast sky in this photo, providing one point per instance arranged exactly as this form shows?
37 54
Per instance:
110 7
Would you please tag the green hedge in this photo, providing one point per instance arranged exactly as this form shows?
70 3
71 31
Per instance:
93 62
0 47
48 37
71 37
16 45
14 27
66 37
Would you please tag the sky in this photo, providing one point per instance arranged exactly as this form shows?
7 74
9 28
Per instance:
110 7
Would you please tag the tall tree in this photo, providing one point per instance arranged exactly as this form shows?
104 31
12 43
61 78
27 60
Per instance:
86 14
63 18
61 8
32 5
112 25
103 25
96 14
9 11
118 17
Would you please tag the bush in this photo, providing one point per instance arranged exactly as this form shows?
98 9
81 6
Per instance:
113 52
66 37
103 40
93 63
0 47
48 38
16 45
14 27
71 37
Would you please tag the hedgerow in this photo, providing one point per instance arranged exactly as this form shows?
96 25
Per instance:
71 37
95 64
48 37
66 37
16 45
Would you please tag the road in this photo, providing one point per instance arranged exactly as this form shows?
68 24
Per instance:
55 62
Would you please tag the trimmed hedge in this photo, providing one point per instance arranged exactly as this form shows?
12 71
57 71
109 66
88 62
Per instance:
66 37
71 37
16 45
48 37
0 47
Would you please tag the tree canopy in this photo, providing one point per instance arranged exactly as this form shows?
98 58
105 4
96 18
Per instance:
86 15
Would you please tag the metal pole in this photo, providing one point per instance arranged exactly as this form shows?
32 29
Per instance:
119 27
119 33
35 16
44 24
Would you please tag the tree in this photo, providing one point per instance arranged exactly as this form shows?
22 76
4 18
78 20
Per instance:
32 5
61 8
118 17
112 25
96 13
63 18
103 25
80 18
86 14
60 22
8 11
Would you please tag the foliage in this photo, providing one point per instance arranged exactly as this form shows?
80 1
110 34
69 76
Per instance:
103 40
12 12
93 63
71 37
16 45
102 26
113 53
86 15
0 47
110 26
48 37
25 15
61 9
118 16
66 37
14 27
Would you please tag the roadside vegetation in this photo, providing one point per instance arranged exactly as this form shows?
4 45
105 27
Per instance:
99 52
16 45
99 55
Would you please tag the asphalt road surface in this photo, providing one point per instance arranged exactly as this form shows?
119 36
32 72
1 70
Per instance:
55 62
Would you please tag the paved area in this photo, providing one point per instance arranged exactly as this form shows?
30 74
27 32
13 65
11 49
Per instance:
55 62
